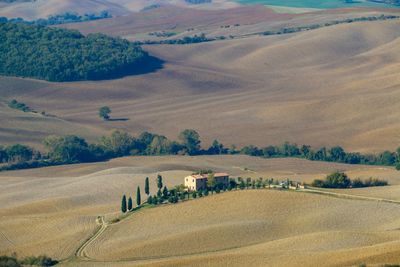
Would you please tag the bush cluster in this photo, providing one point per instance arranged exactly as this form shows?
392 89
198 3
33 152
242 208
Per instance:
67 17
341 180
20 106
7 261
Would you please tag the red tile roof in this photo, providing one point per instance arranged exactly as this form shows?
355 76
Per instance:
205 176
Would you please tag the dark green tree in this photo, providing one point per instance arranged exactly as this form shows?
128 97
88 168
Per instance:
338 180
119 144
248 182
269 151
398 166
138 198
165 192
3 155
305 150
19 153
159 193
242 185
217 148
150 200
6 261
67 149
387 158
191 140
147 186
130 204
104 113
159 181
337 153
123 204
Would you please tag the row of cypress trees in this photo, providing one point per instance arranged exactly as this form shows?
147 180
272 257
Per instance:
127 204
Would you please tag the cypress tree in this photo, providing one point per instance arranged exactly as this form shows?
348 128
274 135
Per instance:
147 186
130 205
123 204
159 194
165 192
138 199
159 182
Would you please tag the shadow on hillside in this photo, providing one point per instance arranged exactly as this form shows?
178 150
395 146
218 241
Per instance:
118 119
148 64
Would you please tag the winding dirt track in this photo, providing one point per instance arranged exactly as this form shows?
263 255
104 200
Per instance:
80 252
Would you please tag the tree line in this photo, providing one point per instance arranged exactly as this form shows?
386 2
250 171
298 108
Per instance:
185 40
67 17
74 149
341 180
55 54
327 24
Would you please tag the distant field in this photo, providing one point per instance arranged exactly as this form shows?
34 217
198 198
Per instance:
58 213
317 3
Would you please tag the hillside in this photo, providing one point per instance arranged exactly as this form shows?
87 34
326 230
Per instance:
31 10
262 90
255 227
59 210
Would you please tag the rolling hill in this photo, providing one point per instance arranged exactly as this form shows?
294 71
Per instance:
31 10
331 86
334 85
256 227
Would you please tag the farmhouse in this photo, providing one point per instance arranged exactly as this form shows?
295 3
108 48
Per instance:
196 182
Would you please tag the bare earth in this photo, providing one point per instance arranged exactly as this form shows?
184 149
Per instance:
53 211
331 86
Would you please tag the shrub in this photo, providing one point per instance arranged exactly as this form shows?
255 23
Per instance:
357 183
39 261
18 105
6 261
337 180
398 166
115 220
